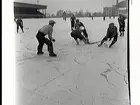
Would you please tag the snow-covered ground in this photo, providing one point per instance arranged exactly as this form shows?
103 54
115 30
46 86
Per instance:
80 75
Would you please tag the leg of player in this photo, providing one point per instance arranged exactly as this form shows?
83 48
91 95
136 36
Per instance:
114 41
87 40
50 47
77 42
103 40
17 28
86 36
40 46
21 26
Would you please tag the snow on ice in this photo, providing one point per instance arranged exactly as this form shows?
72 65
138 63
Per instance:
80 75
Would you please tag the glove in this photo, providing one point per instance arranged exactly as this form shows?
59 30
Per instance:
53 40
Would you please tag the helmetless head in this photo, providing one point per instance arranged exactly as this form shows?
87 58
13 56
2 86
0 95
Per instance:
111 25
77 20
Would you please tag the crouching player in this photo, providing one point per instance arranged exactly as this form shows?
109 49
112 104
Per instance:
111 33
79 25
76 34
44 31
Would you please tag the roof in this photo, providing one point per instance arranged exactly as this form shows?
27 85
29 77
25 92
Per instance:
27 5
122 4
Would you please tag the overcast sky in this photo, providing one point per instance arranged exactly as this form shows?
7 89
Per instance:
73 5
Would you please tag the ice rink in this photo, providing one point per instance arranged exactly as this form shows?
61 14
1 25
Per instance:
80 75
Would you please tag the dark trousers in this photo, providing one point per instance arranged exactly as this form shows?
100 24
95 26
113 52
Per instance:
41 40
122 28
76 34
21 26
72 24
85 33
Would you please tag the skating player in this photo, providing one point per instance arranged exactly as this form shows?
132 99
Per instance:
121 21
76 34
41 37
111 33
80 24
72 19
19 24
104 18
64 15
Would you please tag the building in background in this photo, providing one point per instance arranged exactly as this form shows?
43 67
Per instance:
110 11
115 10
26 10
123 7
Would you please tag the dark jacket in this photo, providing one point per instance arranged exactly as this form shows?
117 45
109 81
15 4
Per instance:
111 32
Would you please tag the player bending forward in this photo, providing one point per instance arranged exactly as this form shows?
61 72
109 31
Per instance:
79 25
46 30
111 33
76 34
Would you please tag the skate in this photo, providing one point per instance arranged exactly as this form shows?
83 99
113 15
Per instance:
52 55
99 45
40 53
110 46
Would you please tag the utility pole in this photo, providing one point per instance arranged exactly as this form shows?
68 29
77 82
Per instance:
37 10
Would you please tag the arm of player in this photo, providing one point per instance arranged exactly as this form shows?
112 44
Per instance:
50 37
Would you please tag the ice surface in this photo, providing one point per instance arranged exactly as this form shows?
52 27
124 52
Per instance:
80 75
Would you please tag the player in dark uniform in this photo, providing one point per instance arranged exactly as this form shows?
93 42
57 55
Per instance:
121 21
72 19
46 30
19 24
80 24
64 15
76 34
111 33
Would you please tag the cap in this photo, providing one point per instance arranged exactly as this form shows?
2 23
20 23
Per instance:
52 22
